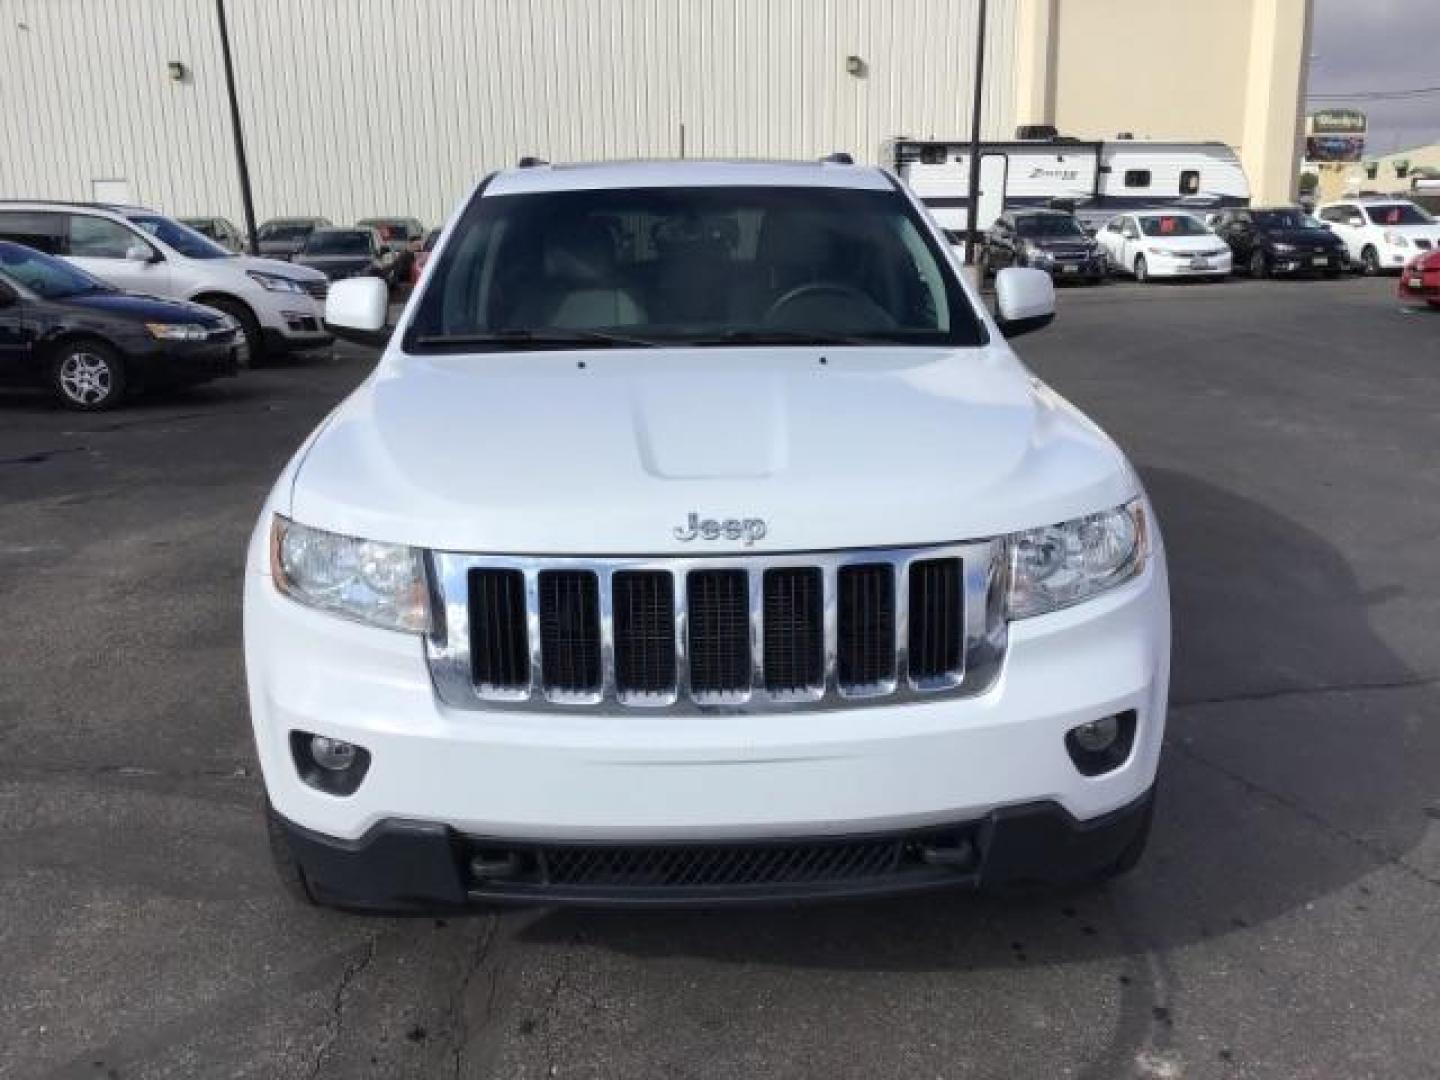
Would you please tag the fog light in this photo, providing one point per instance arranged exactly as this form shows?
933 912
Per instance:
1093 738
332 754
1103 745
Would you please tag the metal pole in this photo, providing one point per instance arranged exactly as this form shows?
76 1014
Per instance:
972 234
246 198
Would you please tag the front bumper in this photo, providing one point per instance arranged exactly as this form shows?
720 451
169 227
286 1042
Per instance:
1165 266
178 363
289 320
404 866
1308 262
1420 281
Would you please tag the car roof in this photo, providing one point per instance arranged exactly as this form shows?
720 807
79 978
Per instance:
651 174
60 204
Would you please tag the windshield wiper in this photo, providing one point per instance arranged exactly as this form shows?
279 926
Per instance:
520 338
767 336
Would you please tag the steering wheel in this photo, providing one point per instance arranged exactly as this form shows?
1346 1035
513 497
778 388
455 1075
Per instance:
826 288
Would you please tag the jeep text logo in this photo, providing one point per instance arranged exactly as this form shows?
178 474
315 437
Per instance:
747 529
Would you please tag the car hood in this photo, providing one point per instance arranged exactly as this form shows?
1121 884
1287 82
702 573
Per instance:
1063 243
610 452
143 308
1304 237
279 266
1424 231
1184 243
333 263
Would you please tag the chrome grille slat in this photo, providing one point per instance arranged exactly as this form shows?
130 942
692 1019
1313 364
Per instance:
732 667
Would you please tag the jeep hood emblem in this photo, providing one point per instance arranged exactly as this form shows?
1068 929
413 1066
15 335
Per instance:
747 529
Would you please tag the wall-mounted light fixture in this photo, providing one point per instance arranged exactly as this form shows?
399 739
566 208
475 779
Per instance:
856 66
177 70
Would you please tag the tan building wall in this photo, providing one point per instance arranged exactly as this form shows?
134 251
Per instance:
1338 181
1158 69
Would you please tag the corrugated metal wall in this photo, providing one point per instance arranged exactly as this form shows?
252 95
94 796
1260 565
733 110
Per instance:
356 107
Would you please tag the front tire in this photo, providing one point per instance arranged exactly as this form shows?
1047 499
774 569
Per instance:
88 376
1369 262
1142 269
249 326
1259 264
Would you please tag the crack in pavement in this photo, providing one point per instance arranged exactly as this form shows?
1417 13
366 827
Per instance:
1371 847
353 971
1413 683
459 1019
129 772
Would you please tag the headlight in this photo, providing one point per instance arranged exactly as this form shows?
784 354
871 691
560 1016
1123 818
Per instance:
1398 239
1286 248
364 580
1061 565
177 331
275 283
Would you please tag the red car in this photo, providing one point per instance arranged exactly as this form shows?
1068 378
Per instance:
1420 280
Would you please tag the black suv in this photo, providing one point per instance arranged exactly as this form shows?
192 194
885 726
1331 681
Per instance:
1049 240
1280 240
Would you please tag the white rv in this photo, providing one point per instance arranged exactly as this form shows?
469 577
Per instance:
1097 179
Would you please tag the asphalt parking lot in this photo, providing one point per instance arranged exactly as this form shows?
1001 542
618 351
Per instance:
1284 924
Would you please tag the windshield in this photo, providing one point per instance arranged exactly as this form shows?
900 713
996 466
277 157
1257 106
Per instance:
692 266
1398 214
44 275
1285 219
338 243
287 231
389 228
185 240
1049 225
1173 225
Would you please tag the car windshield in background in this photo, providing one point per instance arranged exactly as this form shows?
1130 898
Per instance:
1285 219
338 243
185 240
286 232
1173 225
1048 225
1398 214
44 275
691 266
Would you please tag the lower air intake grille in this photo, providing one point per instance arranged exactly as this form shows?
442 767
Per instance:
936 624
719 631
499 645
794 630
644 613
570 631
865 648
682 867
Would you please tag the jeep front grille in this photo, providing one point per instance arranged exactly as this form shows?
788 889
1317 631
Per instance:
729 633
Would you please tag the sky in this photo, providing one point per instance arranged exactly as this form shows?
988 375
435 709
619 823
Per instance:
1379 45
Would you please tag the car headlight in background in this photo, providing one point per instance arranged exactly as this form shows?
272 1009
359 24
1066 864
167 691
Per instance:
1285 249
177 331
1398 239
1060 565
275 282
365 580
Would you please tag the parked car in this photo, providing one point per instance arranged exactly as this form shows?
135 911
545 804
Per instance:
1420 280
1381 233
734 628
1280 240
278 306
1163 245
90 343
422 257
401 237
218 229
1049 240
281 238
344 253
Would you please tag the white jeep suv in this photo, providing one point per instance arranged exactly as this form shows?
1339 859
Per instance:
278 306
1381 233
699 538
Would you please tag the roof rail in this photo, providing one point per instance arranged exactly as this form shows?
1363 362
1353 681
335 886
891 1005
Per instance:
528 162
840 157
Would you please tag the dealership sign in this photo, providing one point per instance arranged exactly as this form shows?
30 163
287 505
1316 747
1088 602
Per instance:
1335 136
1337 122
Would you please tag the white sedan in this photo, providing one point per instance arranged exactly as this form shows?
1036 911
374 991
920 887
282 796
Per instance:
1163 244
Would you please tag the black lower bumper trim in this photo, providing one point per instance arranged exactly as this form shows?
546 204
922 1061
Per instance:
408 866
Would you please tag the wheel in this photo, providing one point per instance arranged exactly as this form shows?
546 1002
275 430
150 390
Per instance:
249 326
1259 264
1369 262
1142 269
292 877
1333 272
88 375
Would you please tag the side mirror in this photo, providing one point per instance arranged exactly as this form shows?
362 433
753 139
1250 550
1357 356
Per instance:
1024 300
1356 222
7 298
358 310
139 253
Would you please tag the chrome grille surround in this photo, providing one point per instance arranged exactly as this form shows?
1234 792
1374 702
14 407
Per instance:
984 578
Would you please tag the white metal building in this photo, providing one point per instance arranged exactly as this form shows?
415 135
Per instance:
354 108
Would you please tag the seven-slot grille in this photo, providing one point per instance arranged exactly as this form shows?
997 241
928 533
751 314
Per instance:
750 633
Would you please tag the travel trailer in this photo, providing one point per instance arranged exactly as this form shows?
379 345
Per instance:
1097 180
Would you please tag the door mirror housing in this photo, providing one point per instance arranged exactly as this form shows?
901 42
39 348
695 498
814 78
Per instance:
139 253
1355 221
358 309
1024 300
